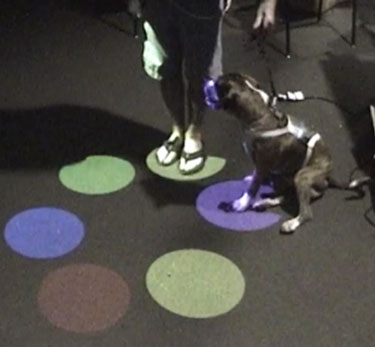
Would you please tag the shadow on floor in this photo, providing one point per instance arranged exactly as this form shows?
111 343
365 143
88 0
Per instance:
106 12
96 6
352 79
62 134
55 136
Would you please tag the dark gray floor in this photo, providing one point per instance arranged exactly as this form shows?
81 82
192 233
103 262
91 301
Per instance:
72 85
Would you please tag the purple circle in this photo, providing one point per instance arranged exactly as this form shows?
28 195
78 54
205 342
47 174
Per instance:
44 233
208 206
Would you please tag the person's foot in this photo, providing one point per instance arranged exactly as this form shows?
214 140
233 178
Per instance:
192 158
169 152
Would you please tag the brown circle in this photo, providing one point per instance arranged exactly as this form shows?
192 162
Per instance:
83 298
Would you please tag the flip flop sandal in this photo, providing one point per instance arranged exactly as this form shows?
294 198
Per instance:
169 147
192 156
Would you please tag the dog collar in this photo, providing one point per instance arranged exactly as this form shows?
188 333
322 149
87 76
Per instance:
265 97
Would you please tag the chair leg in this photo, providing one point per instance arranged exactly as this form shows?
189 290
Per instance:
136 26
287 38
285 11
134 9
354 23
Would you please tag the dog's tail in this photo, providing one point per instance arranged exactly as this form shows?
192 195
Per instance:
353 185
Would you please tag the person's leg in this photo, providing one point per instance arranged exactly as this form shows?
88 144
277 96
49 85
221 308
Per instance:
163 36
203 60
193 157
172 89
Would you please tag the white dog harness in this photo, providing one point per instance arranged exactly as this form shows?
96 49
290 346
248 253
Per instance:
298 130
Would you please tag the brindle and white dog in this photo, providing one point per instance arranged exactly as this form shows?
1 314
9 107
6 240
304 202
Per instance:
281 147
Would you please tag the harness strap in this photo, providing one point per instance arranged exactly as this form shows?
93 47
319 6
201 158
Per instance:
290 127
294 130
310 146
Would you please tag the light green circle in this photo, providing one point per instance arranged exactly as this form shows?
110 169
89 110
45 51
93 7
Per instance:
195 283
97 174
212 166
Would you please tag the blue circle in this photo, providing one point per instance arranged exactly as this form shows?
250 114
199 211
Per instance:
44 233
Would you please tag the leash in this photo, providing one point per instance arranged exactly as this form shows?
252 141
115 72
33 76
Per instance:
260 39
289 96
289 128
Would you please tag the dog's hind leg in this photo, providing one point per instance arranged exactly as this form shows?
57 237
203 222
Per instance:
305 181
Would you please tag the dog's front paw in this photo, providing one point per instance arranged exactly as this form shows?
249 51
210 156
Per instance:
226 206
239 205
290 225
243 203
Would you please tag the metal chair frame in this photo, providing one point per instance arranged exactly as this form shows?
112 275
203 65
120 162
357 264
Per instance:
287 20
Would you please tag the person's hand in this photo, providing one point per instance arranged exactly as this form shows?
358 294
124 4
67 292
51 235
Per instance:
265 16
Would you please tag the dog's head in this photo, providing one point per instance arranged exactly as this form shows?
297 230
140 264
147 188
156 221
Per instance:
236 93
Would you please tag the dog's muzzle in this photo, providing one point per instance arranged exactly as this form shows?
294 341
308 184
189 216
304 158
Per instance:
211 97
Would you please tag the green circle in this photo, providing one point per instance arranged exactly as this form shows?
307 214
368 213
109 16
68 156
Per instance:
212 166
195 284
97 174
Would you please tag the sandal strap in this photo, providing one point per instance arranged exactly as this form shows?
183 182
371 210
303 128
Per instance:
191 156
194 155
173 146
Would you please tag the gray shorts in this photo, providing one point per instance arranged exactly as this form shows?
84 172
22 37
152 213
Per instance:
177 40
